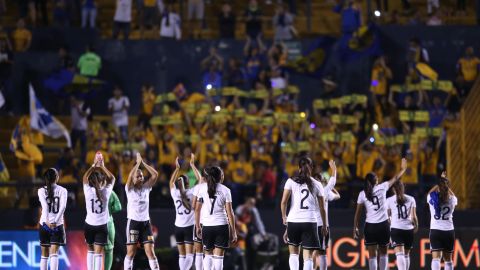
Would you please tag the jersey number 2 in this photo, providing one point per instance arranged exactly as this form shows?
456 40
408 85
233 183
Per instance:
306 192
53 204
99 204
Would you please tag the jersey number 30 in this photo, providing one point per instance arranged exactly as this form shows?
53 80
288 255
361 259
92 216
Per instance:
99 206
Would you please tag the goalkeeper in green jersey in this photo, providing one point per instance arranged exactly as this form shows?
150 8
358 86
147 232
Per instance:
114 206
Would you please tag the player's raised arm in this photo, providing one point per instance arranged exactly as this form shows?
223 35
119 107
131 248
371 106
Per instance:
153 174
197 173
131 176
175 173
403 168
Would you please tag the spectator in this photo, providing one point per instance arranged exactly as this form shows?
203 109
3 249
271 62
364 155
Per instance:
196 13
148 102
435 18
22 37
89 63
437 111
351 18
212 60
61 17
253 20
89 13
226 21
416 53
212 78
170 24
66 61
432 5
235 74
122 18
381 73
254 57
80 113
119 105
283 24
267 182
468 68
149 15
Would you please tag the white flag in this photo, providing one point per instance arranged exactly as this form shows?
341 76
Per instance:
43 121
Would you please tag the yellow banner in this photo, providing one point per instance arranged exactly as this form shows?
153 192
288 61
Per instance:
167 97
120 147
414 116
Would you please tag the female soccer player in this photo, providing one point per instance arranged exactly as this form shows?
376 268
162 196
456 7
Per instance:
98 184
403 225
377 230
442 202
139 229
114 206
214 208
184 217
330 195
307 198
53 199
198 246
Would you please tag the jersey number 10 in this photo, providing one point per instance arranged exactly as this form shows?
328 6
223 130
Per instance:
53 204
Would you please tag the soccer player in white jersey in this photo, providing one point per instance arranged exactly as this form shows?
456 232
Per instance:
182 197
53 199
198 246
377 229
307 198
442 202
139 229
330 195
97 186
404 223
214 208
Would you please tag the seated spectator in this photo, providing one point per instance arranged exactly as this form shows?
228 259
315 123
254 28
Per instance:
119 105
253 20
283 24
89 63
468 68
122 18
89 13
22 37
226 21
170 24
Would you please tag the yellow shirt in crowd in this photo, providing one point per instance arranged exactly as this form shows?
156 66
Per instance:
21 39
365 162
241 171
378 84
469 68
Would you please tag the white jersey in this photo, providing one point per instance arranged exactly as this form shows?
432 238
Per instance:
213 209
444 219
303 204
376 209
138 201
328 197
53 208
401 213
195 190
97 209
183 216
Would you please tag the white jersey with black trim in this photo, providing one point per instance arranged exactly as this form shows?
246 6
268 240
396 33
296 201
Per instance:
53 208
97 208
376 210
401 213
213 211
138 203
327 189
443 220
303 202
183 216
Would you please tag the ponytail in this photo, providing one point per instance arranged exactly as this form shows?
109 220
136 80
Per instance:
50 176
370 181
304 176
213 175
399 192
180 185
95 180
443 190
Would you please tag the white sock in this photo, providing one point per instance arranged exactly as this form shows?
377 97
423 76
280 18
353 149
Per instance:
90 260
449 265
181 262
383 262
43 263
308 264
218 262
128 263
293 262
53 262
435 264
372 263
97 262
323 262
400 261
188 261
407 261
154 264
198 261
207 262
